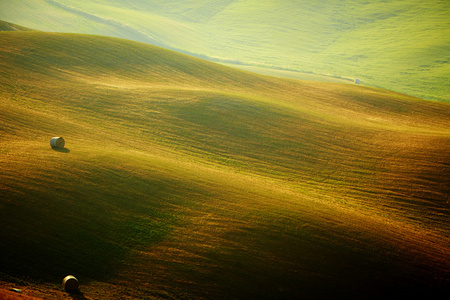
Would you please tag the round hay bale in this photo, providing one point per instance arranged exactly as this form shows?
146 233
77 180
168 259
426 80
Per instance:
70 284
57 142
357 81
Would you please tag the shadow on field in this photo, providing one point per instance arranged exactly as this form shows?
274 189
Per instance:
78 296
84 227
63 150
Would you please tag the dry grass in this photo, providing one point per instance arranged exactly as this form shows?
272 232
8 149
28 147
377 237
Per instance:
9 294
184 179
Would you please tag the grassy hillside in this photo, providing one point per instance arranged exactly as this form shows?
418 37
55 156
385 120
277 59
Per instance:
6 26
186 179
389 44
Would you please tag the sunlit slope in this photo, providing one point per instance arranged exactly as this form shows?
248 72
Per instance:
6 26
398 46
190 180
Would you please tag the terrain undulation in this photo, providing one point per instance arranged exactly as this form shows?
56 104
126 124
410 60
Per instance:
185 179
397 45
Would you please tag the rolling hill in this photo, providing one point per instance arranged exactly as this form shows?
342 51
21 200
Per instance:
7 26
185 179
389 44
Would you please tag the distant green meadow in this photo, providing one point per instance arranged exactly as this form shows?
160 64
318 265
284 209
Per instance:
397 45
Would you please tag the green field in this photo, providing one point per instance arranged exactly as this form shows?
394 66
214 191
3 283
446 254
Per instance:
185 179
397 45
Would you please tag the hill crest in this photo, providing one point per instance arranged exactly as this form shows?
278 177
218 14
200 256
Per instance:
385 44
7 26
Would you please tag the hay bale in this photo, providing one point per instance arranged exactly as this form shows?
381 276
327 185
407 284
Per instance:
70 284
357 81
57 142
